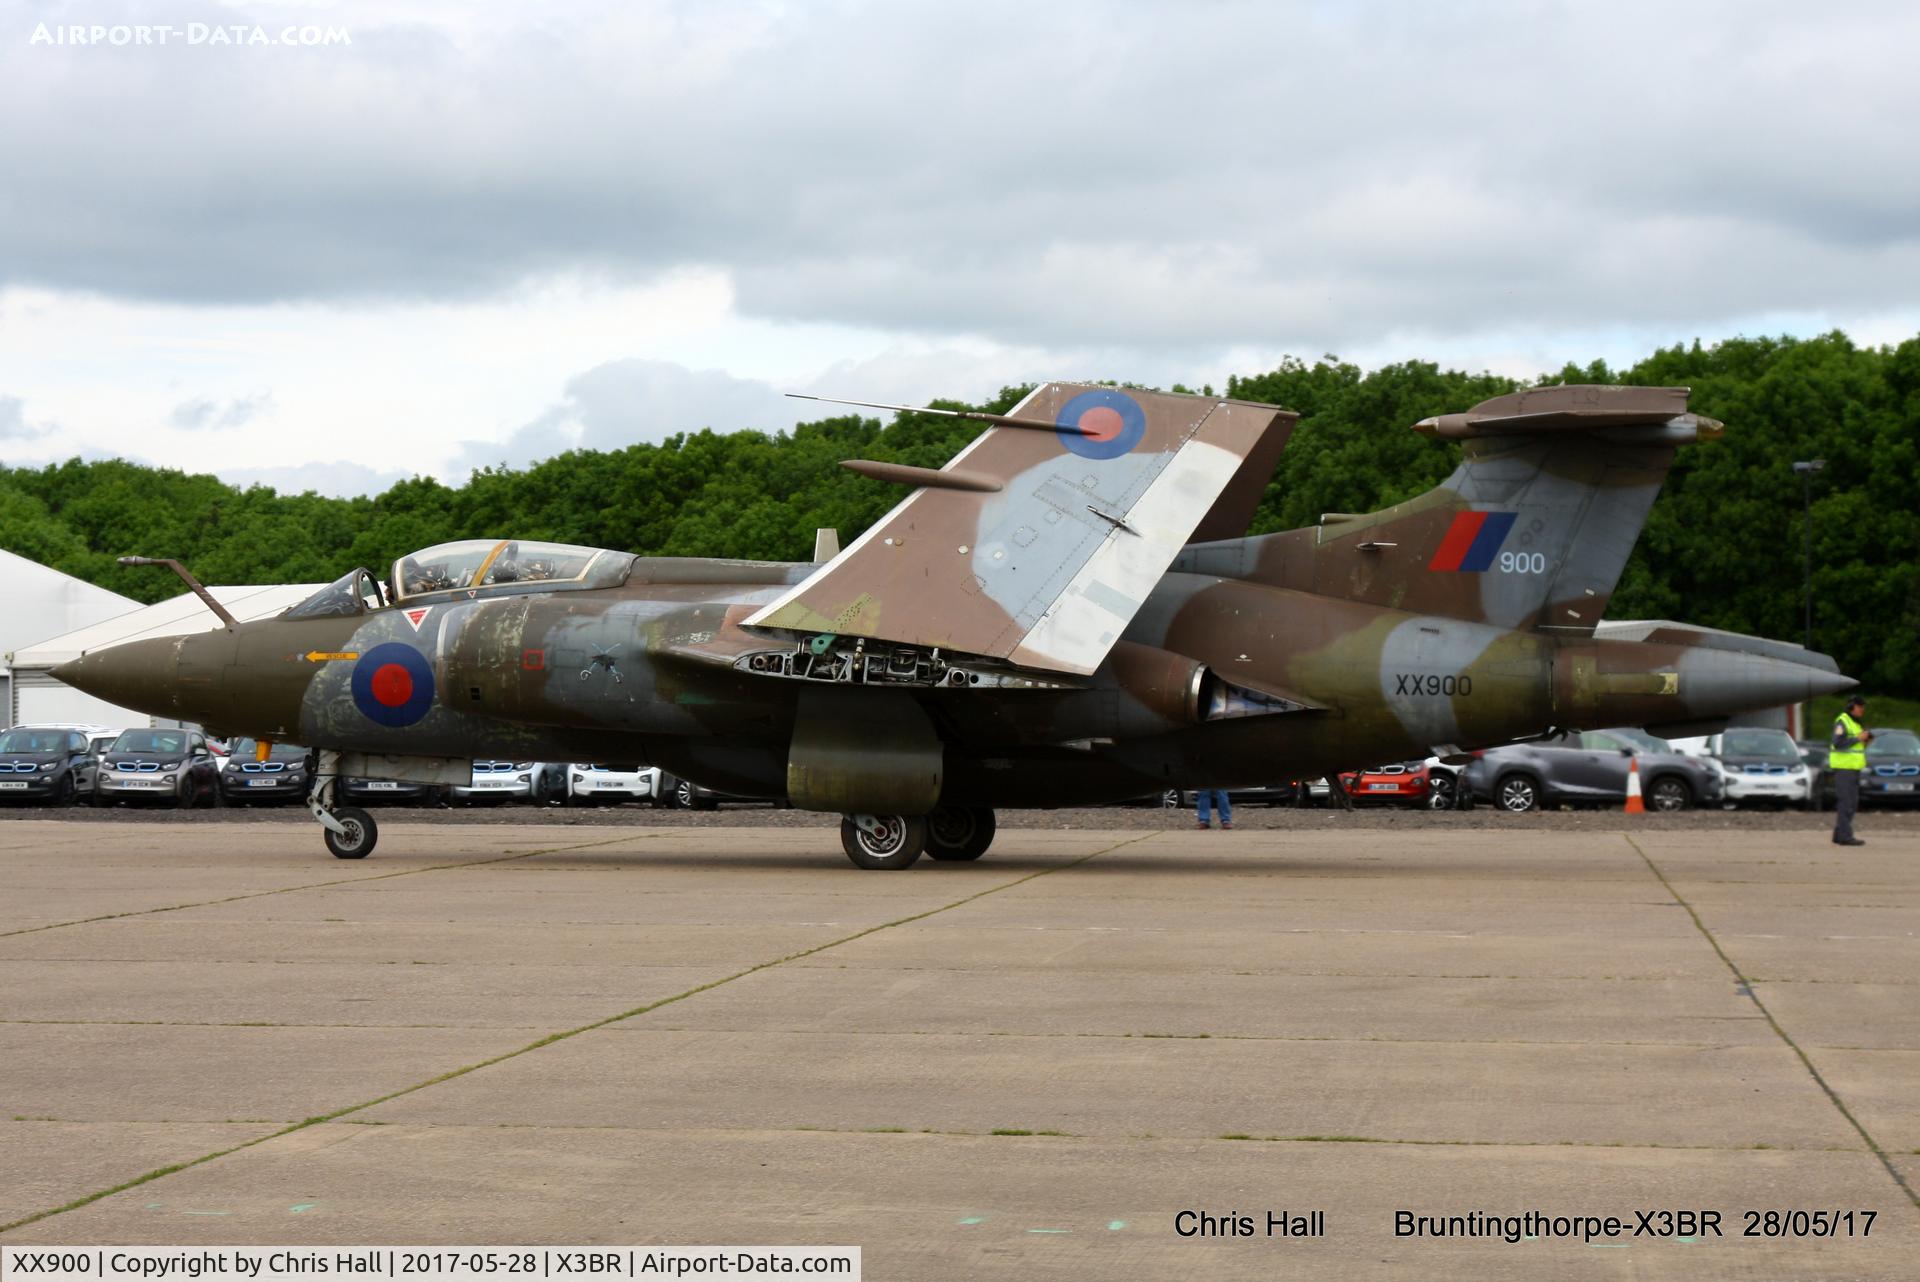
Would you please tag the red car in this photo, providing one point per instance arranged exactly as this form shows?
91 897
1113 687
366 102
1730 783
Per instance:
1407 783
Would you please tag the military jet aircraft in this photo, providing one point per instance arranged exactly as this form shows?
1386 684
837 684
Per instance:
1069 612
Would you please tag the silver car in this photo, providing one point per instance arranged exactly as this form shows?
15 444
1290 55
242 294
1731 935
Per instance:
1590 767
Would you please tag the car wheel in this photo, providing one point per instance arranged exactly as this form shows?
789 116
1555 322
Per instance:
1173 799
896 842
1668 793
64 795
956 834
1517 794
1440 792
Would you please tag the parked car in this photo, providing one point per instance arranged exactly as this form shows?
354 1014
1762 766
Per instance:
374 792
535 781
591 783
283 777
1406 783
1286 792
685 794
171 767
52 764
1590 767
1758 767
1893 769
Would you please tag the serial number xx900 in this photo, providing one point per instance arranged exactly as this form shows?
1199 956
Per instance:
1431 683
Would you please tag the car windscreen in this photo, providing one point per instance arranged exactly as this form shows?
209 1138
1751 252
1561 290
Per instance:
173 741
1894 743
34 741
1642 740
244 750
1759 745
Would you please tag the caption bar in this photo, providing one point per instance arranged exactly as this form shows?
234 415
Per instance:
421 1263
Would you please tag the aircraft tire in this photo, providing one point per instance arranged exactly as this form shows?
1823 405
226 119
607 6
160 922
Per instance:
902 842
358 841
956 834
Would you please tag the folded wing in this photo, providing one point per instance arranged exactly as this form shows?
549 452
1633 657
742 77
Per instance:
1046 570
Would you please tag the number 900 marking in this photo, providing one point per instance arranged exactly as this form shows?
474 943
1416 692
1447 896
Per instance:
1523 562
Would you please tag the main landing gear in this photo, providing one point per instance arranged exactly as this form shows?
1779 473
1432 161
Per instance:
950 834
350 832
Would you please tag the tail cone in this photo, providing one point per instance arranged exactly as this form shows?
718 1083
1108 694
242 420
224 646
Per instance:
1635 805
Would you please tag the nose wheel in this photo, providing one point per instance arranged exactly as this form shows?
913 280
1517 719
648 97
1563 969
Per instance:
350 832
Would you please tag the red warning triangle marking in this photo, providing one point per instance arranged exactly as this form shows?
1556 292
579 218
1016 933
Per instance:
417 615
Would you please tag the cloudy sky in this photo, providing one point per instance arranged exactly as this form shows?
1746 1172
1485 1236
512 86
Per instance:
475 233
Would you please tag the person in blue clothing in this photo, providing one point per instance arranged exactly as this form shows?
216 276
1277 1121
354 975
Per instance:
1216 796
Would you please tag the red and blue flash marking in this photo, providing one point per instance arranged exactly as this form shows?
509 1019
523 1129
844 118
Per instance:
1472 541
393 685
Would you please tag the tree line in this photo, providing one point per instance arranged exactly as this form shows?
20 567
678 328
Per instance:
1722 547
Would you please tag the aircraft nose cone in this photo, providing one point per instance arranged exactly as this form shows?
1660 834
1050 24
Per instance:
138 674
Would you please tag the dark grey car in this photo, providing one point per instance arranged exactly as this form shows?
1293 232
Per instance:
1892 776
1590 767
45 763
245 780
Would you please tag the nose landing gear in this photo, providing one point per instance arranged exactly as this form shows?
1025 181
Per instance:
350 832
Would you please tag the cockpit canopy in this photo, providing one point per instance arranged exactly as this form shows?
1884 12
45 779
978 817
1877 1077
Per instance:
471 566
483 563
351 593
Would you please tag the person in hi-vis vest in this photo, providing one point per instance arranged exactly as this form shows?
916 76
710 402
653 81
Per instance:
1846 758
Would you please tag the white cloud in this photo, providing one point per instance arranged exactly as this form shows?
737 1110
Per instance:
339 478
420 241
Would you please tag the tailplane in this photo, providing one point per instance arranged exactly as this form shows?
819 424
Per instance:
1532 530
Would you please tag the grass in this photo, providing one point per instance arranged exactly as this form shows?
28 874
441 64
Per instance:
1883 710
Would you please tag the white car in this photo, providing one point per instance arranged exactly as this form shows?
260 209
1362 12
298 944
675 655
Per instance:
1758 767
588 783
535 781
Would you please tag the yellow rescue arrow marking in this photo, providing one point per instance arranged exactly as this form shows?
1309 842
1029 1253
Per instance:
321 656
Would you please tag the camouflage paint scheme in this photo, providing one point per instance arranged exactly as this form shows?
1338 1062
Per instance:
1035 629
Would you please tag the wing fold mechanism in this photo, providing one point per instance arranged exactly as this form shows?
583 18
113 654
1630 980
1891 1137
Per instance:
1038 547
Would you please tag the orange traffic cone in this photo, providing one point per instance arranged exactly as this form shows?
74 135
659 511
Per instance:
1635 806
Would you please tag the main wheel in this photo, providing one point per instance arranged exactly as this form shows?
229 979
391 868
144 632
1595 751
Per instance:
1668 793
358 840
959 833
1517 793
896 841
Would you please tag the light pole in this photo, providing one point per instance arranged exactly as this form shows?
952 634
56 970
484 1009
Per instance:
1806 471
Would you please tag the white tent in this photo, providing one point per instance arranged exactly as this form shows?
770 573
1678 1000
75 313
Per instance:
38 697
43 602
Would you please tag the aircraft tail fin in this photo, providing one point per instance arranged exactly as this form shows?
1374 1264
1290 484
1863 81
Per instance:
1532 529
